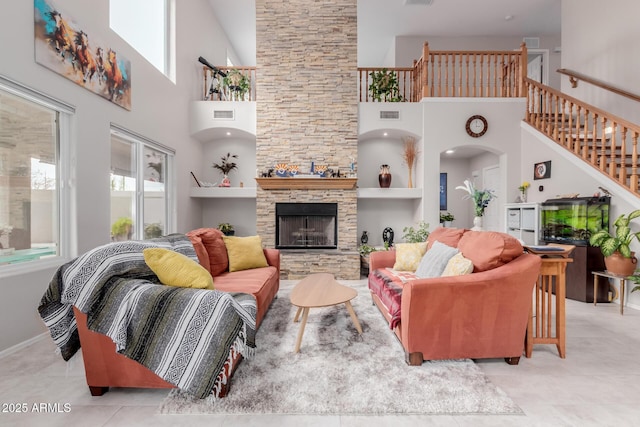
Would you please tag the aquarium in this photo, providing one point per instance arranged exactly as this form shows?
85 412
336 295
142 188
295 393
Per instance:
573 220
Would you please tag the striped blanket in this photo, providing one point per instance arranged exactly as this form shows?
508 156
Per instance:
183 335
387 284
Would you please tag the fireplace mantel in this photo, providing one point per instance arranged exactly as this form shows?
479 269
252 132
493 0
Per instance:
306 183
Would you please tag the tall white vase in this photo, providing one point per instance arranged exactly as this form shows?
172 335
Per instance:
477 223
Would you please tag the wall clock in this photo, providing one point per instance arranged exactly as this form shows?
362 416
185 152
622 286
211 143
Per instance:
476 126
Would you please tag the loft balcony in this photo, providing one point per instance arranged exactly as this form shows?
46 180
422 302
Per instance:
603 140
492 74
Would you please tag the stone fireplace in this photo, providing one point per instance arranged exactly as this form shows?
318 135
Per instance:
307 111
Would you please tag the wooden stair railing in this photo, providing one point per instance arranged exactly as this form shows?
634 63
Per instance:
607 142
575 77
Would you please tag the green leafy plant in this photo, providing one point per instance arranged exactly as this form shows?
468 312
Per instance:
237 82
445 217
635 279
366 250
226 228
481 198
609 243
153 230
384 86
412 235
226 165
122 228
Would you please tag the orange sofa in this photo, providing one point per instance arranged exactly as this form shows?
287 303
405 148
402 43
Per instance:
479 315
105 368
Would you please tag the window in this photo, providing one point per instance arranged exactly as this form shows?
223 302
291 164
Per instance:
141 173
145 25
33 162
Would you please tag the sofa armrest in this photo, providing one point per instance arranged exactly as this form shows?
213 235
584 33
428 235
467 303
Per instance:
273 257
381 259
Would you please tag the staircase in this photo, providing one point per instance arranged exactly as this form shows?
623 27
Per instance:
606 142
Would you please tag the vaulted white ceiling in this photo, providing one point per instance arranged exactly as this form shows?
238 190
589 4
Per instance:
380 21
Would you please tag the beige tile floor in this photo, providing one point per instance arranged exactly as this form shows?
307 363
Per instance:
598 384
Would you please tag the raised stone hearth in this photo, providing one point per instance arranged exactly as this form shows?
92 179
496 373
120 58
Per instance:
308 112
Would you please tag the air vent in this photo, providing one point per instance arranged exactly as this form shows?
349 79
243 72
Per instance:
418 2
389 115
532 42
223 114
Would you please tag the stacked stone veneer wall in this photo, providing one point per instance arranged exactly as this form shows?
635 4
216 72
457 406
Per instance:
307 110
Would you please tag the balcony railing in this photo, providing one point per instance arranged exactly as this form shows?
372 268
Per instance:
238 85
473 74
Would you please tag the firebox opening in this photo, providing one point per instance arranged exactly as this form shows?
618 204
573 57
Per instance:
306 225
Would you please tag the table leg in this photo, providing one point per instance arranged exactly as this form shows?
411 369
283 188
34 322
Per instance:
305 314
356 322
595 289
622 296
295 319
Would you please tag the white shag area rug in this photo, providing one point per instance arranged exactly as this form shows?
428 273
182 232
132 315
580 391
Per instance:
340 372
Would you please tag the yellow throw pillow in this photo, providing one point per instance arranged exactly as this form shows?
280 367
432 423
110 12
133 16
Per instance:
457 266
245 252
408 255
175 269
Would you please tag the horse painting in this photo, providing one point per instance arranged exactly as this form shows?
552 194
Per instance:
64 46
84 57
60 37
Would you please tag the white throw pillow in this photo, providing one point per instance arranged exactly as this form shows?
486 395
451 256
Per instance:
435 260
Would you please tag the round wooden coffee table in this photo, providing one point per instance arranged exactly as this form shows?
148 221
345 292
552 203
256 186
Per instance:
321 290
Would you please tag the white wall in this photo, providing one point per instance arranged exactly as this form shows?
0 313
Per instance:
159 112
600 40
444 128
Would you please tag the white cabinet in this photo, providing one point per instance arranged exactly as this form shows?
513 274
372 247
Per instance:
522 221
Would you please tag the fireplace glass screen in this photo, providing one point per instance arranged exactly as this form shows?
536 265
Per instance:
306 225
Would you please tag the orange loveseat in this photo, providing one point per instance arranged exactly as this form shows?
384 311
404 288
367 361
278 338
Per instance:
479 315
105 368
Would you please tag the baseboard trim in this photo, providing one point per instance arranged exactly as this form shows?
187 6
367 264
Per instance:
20 346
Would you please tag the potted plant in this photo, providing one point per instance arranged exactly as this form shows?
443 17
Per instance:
618 257
412 235
446 218
238 84
384 86
226 228
122 229
225 166
481 199
152 230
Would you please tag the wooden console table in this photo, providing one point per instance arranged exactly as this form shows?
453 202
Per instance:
552 279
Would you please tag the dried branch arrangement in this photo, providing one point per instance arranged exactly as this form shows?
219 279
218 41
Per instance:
410 155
